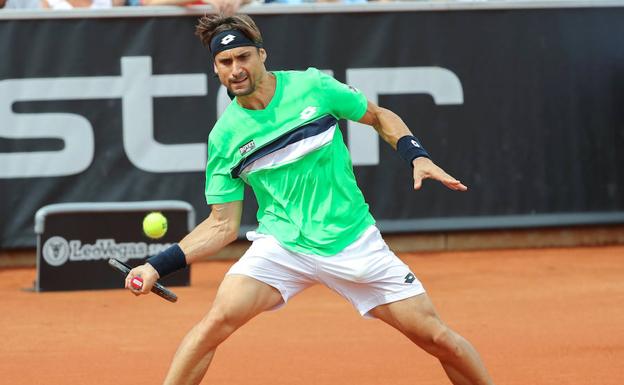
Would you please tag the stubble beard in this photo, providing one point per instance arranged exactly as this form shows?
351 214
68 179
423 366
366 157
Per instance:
245 91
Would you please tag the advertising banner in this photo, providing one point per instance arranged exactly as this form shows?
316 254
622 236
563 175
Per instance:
523 106
75 242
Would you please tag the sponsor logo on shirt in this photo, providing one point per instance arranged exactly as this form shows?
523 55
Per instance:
308 112
247 147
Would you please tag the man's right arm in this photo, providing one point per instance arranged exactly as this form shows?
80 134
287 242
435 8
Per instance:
218 230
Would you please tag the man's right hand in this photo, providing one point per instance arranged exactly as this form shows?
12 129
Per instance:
147 273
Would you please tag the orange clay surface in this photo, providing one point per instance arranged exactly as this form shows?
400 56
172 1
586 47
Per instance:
538 317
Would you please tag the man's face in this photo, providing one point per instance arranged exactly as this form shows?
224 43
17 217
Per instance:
240 68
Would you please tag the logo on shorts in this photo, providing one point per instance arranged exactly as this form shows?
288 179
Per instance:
55 251
409 278
247 147
228 39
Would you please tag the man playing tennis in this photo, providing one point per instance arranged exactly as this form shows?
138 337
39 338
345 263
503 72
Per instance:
280 136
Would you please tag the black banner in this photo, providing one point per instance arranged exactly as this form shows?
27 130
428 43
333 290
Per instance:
75 242
524 106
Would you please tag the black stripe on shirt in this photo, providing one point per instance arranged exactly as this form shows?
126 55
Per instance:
308 130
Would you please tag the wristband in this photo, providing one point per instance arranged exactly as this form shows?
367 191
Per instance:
168 261
409 148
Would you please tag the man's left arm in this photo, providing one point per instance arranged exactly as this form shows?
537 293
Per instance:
391 128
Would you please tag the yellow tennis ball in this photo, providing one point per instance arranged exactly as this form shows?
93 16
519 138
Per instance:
155 225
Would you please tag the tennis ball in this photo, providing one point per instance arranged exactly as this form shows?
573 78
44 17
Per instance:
155 225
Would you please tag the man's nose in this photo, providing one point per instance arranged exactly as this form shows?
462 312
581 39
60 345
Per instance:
236 69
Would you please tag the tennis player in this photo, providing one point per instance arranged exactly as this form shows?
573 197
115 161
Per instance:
280 136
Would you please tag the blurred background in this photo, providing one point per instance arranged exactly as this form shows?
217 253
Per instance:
113 100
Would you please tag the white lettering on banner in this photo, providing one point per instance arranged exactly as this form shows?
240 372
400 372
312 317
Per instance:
74 130
57 250
442 84
136 87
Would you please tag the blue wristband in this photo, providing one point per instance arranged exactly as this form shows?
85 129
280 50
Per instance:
409 148
168 261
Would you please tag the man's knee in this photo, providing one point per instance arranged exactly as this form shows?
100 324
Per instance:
446 341
217 326
440 341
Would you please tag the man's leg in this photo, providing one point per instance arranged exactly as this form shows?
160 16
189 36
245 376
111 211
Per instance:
417 319
238 300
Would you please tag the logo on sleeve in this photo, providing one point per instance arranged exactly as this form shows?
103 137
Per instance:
308 112
247 147
227 39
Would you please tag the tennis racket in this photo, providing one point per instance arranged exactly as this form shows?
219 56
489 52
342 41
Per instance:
157 289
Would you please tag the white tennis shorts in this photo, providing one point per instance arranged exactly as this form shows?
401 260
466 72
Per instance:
366 273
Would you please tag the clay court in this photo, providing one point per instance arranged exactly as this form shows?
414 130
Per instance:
537 316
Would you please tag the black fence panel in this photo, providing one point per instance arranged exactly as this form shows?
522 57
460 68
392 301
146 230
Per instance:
525 106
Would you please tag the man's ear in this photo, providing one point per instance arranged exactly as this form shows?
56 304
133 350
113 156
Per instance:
263 54
214 68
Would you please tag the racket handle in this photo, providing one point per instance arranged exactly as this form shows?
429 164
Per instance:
157 289
136 283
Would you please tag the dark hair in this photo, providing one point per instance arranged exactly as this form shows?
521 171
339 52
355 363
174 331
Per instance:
210 25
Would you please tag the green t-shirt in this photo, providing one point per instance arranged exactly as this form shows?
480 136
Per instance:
293 156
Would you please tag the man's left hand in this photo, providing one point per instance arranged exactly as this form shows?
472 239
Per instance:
424 168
